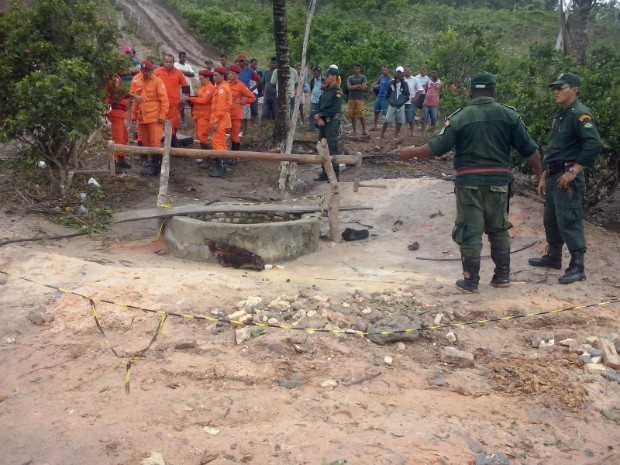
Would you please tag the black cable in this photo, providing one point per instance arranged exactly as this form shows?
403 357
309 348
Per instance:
483 256
44 238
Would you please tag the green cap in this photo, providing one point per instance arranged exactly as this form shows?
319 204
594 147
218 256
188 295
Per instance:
567 78
333 72
482 81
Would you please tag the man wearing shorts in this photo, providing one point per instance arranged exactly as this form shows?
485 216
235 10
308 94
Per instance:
356 84
397 96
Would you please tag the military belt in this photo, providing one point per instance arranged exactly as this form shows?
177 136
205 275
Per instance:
462 170
559 167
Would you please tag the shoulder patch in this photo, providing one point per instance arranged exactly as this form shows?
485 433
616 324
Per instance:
451 115
508 106
584 117
588 125
339 93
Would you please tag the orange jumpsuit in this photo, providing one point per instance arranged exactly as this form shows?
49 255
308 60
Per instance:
173 80
201 111
241 96
220 115
153 109
117 114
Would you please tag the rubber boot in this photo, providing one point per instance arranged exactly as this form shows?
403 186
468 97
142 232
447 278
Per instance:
551 259
575 270
174 141
323 176
220 171
154 168
471 274
501 276
203 163
236 146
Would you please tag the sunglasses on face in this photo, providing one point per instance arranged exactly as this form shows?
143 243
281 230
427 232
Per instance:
560 88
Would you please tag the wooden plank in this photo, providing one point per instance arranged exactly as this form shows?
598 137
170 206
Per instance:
187 210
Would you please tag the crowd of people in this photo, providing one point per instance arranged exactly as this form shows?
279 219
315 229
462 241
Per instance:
400 99
482 135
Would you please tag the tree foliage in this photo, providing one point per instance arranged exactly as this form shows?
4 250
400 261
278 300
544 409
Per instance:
58 55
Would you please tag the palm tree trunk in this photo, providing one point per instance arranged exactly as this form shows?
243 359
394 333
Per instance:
281 43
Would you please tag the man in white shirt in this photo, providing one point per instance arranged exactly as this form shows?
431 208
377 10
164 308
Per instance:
415 90
188 72
423 78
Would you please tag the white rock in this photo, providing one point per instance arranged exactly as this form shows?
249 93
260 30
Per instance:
567 342
400 346
438 318
237 315
596 359
346 304
311 313
388 360
450 337
268 266
210 430
549 343
243 334
595 369
592 340
251 302
329 383
367 310
155 459
320 298
272 321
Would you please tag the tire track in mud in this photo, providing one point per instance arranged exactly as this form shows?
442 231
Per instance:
166 31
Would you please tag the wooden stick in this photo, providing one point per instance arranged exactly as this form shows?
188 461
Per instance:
111 165
357 171
243 155
334 200
162 197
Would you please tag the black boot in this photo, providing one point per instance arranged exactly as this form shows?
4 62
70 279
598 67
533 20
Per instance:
551 259
236 146
575 270
175 141
321 177
501 258
220 171
471 274
154 168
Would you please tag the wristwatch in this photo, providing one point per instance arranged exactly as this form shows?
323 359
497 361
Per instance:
572 170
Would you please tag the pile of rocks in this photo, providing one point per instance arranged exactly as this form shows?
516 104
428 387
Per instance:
598 355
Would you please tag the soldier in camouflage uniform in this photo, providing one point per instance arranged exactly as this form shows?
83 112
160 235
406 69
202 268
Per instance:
483 133
328 118
574 144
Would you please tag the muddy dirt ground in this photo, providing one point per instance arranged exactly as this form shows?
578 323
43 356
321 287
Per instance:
209 392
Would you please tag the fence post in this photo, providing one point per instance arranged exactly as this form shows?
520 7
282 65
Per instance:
162 198
334 199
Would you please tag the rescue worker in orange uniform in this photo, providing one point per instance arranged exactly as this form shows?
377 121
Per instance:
241 96
175 82
116 102
201 108
149 110
220 118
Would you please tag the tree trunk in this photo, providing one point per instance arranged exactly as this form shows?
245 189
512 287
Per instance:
579 42
281 43
288 170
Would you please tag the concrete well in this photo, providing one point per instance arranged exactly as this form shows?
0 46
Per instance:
275 236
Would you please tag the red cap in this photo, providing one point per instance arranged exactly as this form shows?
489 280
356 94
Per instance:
235 68
204 72
241 57
146 65
221 70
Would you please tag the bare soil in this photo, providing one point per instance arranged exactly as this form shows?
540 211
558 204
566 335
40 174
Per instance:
286 396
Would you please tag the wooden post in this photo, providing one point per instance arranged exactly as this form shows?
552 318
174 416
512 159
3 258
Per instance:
162 198
111 164
357 171
334 200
